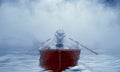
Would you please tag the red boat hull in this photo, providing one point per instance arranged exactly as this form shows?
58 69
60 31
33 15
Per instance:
58 60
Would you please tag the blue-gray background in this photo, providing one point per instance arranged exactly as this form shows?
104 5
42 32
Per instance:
24 24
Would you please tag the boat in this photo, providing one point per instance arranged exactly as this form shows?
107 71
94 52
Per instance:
59 60
59 53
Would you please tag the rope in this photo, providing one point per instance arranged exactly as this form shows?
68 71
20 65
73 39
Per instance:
59 57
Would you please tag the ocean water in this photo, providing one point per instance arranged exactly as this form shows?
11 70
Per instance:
86 63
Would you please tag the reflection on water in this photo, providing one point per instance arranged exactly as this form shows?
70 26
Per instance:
87 63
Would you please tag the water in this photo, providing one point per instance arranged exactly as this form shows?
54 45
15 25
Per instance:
87 63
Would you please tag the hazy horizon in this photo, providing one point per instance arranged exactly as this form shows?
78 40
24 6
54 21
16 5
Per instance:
26 23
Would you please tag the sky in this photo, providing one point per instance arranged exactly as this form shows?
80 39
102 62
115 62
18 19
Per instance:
94 23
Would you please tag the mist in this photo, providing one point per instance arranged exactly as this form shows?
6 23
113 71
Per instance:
24 24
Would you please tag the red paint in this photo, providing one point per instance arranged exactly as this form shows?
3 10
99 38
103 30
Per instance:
58 60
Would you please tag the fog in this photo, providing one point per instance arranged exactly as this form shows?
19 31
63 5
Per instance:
24 24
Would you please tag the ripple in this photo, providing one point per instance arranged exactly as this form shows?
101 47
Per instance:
87 63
